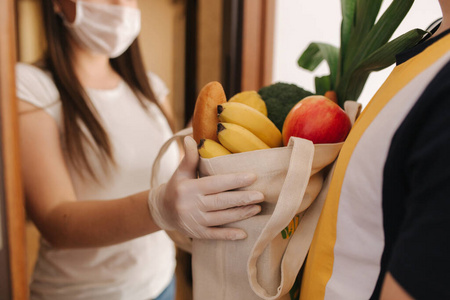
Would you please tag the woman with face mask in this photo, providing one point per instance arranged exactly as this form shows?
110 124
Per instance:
91 123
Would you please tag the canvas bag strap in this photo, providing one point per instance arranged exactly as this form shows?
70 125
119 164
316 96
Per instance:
179 136
298 247
289 201
181 241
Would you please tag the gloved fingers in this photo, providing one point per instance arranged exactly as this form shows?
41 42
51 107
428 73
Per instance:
222 217
216 233
188 164
225 200
219 183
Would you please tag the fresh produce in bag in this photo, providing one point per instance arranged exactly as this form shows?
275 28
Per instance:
266 263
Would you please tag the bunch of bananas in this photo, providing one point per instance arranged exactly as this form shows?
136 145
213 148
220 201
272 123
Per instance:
243 126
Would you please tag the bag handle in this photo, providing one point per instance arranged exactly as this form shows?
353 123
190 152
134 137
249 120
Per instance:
179 136
289 201
298 247
181 241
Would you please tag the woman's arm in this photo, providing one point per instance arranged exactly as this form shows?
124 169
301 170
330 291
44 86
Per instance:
190 205
50 196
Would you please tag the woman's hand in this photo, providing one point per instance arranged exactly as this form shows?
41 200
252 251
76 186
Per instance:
195 206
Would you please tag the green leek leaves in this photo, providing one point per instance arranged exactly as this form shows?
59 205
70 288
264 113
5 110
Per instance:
365 46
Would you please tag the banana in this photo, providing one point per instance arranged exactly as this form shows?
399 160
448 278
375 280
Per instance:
238 139
252 99
251 119
209 148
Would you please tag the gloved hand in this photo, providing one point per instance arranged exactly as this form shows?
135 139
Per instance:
194 206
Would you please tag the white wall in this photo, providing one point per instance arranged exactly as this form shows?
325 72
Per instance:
298 23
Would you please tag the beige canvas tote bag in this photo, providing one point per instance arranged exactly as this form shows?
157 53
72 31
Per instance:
265 264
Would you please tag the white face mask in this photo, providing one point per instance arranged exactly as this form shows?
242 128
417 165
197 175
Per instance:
105 28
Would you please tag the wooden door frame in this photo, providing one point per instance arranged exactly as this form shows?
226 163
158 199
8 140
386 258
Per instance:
257 43
247 47
12 196
248 44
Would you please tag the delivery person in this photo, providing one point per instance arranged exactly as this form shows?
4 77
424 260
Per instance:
384 229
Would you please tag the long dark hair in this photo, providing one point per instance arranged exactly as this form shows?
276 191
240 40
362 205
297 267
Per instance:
77 108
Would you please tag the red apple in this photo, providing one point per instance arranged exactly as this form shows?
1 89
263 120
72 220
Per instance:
318 119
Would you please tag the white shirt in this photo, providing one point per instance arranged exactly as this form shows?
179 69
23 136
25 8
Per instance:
137 269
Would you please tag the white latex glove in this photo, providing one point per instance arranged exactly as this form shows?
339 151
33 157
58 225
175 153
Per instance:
195 206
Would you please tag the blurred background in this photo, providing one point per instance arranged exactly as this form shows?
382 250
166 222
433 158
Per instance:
191 42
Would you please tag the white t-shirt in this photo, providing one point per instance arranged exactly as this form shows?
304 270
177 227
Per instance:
138 269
